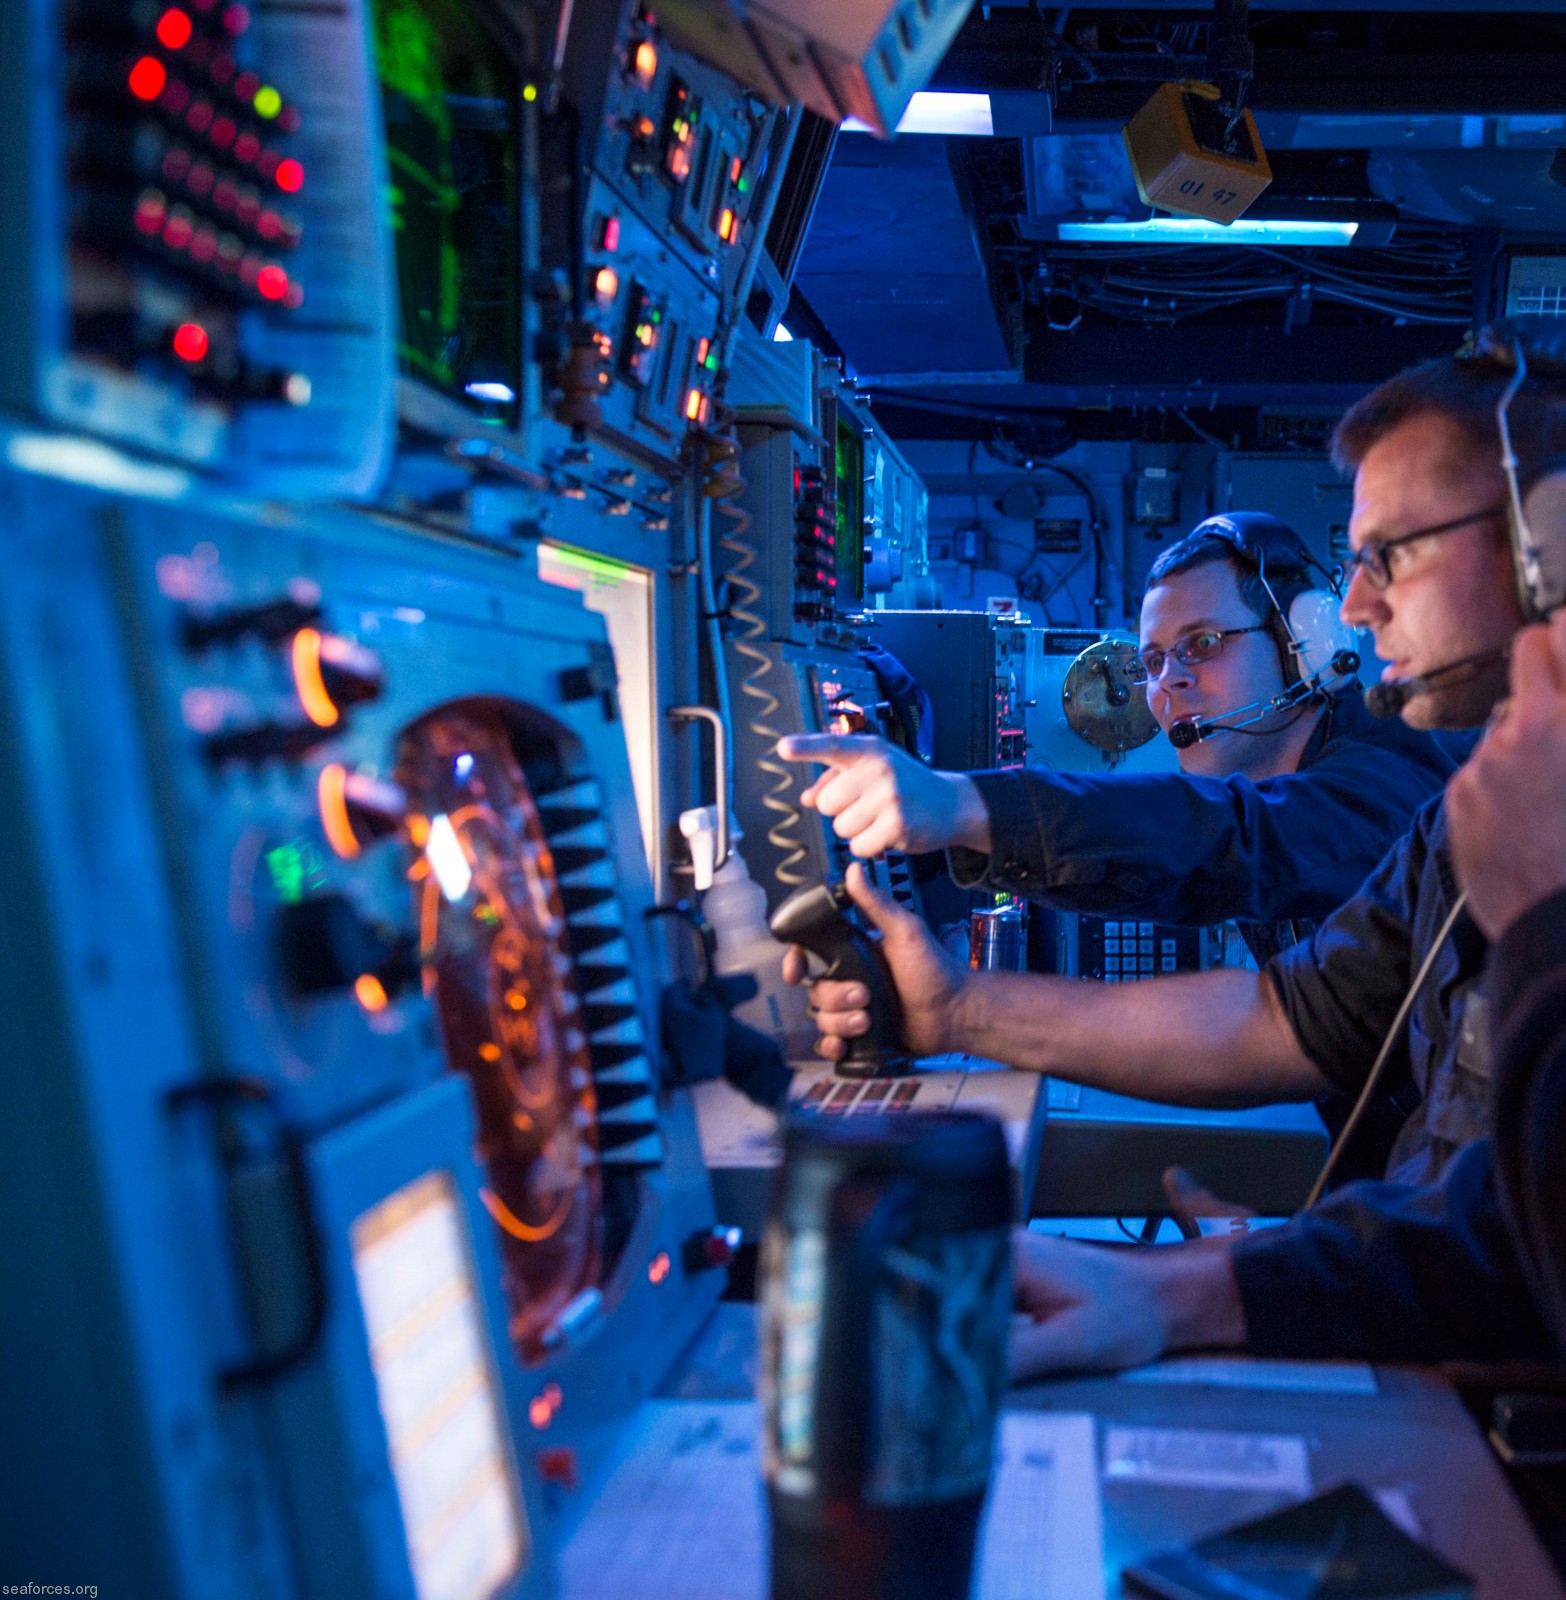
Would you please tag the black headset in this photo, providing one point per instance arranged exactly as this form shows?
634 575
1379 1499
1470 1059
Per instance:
1304 620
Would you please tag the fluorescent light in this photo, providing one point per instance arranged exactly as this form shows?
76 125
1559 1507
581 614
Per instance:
781 335
1193 230
933 111
78 460
499 393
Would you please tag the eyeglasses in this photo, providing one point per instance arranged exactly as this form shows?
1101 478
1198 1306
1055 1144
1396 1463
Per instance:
1371 557
1147 666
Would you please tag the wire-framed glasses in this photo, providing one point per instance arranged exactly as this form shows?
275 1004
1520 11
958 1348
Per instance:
1147 666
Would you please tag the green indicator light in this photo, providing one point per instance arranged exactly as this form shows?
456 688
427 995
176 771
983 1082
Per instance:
743 186
268 102
711 363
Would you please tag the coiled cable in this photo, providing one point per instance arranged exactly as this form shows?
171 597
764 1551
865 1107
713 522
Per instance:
724 484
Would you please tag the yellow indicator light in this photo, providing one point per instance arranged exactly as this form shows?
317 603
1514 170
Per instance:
726 226
268 102
530 92
606 285
370 992
331 791
645 334
309 683
694 402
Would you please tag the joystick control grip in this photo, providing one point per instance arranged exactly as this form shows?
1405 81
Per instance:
821 920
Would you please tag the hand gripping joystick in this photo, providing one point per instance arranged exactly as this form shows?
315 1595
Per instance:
821 921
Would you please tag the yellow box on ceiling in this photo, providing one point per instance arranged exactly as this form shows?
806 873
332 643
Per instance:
1177 147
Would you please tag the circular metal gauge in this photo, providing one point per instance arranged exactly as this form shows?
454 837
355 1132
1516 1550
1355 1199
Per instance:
494 958
1101 704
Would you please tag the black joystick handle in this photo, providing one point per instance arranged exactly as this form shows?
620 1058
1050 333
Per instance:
821 921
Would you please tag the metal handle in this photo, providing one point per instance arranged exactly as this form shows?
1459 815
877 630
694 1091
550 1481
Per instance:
720 761
214 1094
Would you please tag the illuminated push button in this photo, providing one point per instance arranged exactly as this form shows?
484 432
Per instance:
326 947
356 809
711 1248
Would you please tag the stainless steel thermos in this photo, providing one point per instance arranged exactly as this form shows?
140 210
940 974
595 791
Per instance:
886 1298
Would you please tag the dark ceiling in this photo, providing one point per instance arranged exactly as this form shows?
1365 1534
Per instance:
932 265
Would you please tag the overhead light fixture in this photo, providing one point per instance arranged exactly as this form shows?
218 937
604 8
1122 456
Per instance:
940 111
1192 230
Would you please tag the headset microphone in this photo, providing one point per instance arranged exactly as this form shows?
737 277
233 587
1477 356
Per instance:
1387 698
1192 730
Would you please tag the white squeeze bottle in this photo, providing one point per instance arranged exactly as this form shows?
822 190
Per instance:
736 907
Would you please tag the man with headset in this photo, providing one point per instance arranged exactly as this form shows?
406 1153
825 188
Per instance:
1388 987
1289 792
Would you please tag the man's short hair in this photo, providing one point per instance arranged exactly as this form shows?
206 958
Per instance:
1465 390
1200 549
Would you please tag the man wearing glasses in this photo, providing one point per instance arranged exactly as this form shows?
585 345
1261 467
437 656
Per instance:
1274 819
1368 1272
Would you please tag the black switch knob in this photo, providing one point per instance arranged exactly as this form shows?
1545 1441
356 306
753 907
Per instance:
267 741
327 947
272 621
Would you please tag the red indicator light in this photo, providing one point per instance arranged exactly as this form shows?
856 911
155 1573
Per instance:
150 211
226 196
177 231
204 246
173 29
176 163
271 283
289 176
200 180
200 116
223 131
288 119
609 239
294 298
736 168
222 68
245 86
269 225
247 147
190 342
175 98
236 19
658 1267
539 1412
701 352
147 78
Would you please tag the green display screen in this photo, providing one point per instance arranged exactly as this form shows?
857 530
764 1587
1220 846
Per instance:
451 102
850 515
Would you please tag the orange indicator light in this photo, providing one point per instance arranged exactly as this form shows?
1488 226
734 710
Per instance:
309 683
331 792
370 992
701 352
173 29
606 285
147 78
695 405
726 226
539 1412
736 167
646 61
658 1267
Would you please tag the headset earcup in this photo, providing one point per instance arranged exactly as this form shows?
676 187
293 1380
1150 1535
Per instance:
1541 581
1315 622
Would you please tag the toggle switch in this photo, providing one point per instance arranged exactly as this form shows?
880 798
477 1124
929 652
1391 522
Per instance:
357 809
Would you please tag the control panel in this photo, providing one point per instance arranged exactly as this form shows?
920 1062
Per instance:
192 246
1123 951
681 169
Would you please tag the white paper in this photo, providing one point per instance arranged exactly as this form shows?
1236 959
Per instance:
1229 1372
1200 1458
680 1513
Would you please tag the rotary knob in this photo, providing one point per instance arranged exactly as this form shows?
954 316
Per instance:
357 809
332 673
326 947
